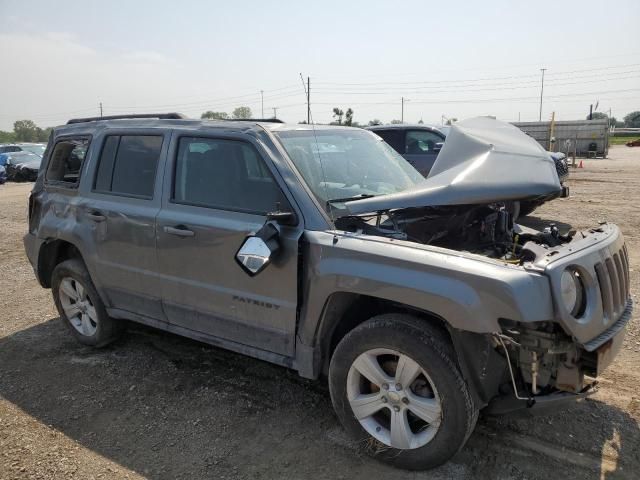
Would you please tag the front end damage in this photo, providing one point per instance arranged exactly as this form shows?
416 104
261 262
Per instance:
462 207
561 358
530 365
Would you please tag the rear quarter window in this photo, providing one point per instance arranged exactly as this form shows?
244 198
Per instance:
67 158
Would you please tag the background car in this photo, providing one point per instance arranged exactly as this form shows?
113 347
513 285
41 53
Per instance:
10 148
418 144
37 148
3 175
22 166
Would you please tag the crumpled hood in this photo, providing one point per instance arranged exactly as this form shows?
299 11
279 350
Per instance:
483 161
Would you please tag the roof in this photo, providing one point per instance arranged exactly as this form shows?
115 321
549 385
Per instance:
186 123
393 126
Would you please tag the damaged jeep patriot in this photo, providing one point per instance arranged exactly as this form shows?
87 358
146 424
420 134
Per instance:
321 249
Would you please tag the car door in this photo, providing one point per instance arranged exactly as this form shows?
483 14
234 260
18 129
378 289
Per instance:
219 193
119 213
421 148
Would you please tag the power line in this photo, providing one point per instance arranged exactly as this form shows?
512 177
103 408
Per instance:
213 101
463 88
486 100
214 98
563 63
483 79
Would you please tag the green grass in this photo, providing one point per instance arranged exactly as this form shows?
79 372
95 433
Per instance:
614 140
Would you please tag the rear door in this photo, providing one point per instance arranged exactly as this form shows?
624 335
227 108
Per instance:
219 192
421 149
119 213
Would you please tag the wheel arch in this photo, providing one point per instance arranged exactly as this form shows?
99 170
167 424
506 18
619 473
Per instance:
344 311
481 366
53 252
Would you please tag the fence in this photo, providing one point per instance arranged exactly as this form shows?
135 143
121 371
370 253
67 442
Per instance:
578 135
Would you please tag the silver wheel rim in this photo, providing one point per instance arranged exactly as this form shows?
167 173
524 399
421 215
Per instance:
394 399
78 307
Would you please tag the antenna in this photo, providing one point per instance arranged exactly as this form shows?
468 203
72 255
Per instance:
324 177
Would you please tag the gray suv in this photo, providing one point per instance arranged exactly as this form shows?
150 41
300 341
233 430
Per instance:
322 250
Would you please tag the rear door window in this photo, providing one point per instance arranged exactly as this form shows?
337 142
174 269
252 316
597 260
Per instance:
128 165
66 161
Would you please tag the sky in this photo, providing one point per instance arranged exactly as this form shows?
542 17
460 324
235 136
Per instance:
458 59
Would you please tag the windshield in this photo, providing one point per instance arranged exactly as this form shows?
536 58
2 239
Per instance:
341 164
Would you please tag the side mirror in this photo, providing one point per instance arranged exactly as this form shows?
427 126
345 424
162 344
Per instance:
257 250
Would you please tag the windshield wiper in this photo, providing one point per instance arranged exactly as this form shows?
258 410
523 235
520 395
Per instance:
350 199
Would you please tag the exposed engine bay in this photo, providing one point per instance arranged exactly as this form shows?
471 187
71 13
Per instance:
487 230
546 358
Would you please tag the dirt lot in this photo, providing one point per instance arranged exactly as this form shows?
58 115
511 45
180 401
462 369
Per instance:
155 405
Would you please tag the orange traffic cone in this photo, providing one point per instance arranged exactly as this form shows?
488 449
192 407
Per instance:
580 166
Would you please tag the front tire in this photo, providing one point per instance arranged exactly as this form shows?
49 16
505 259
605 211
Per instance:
397 390
80 306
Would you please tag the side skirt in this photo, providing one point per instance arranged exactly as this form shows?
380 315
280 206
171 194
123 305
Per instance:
271 357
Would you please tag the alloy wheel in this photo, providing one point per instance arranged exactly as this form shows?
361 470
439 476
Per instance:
394 399
78 307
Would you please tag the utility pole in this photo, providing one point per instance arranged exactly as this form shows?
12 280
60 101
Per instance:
275 112
262 103
100 109
308 100
541 92
402 111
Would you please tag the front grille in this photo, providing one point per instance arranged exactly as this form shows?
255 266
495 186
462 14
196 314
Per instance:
613 280
612 331
561 167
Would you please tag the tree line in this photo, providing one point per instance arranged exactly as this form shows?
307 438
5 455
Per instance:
25 131
346 117
28 131
631 120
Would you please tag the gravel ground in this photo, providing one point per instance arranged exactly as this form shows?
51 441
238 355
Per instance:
154 405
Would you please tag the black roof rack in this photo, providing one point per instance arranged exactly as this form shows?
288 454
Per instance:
160 116
270 120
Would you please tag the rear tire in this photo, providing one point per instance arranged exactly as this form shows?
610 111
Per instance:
80 306
430 418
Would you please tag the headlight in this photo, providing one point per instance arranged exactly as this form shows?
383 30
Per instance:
572 291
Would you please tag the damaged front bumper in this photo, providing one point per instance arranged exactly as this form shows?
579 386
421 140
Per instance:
548 370
538 405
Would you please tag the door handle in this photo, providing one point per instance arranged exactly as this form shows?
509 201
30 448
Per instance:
96 216
180 231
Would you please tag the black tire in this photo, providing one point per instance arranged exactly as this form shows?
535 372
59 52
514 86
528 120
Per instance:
108 329
431 349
